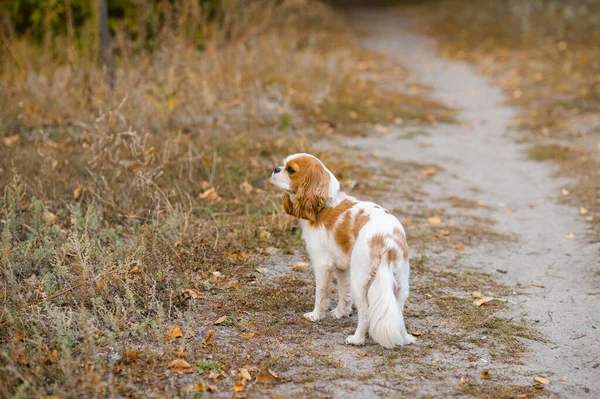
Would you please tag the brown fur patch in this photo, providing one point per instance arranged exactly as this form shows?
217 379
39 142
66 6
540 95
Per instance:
360 220
343 234
329 216
347 231
400 239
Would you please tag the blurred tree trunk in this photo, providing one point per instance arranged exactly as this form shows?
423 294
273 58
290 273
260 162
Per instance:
105 43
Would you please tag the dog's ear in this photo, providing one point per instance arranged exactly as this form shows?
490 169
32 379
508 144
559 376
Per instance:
311 194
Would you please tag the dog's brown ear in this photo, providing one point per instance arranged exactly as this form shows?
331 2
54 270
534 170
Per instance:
311 194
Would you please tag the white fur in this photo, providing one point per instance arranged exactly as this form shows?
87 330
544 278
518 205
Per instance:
380 309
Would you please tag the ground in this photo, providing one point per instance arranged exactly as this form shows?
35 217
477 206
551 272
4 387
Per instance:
192 282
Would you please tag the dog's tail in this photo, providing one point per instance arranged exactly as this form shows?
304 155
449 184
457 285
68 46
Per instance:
386 323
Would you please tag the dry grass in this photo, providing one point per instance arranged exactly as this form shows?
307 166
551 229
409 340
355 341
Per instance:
546 54
126 212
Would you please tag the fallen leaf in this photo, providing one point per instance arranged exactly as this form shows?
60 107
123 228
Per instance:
262 270
172 333
210 194
434 220
564 191
209 336
523 395
444 232
509 212
220 320
359 353
428 172
481 301
233 284
563 378
583 211
191 293
462 380
11 140
480 203
180 366
247 335
407 221
49 217
541 380
300 267
375 155
570 235
238 386
245 374
136 269
459 247
266 377
213 375
485 374
416 333
77 192
246 187
589 218
476 294
264 234
382 129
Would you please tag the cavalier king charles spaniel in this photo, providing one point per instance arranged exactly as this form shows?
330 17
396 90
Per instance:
362 243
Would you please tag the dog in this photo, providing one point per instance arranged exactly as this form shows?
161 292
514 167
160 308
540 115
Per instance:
362 243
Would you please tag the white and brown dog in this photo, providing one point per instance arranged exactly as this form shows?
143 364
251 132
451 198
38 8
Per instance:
362 243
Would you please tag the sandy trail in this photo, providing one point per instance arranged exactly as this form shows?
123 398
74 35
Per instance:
552 275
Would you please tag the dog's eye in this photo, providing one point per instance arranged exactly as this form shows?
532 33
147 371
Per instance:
290 170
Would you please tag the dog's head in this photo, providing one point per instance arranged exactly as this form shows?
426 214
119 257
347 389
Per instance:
308 185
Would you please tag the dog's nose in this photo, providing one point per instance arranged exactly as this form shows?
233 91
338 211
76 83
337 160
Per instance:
277 170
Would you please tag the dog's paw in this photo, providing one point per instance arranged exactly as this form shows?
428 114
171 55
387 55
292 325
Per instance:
407 340
353 340
312 316
339 313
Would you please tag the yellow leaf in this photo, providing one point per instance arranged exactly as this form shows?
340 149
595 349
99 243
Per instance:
476 294
583 211
245 374
246 187
172 333
509 212
541 380
481 301
49 217
11 140
565 192
444 232
485 374
180 366
570 235
238 386
77 192
266 377
416 333
172 103
382 129
563 378
428 172
459 247
247 335
220 320
434 220
262 270
209 336
300 267
462 380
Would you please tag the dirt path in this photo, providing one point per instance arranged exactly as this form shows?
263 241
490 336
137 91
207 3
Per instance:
552 274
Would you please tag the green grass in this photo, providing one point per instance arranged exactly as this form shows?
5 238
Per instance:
209 365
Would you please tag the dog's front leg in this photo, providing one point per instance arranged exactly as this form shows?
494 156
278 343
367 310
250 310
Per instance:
344 306
323 281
